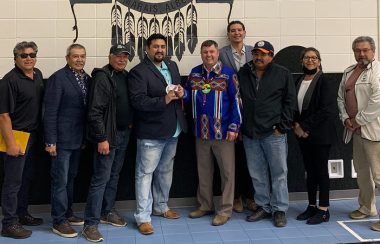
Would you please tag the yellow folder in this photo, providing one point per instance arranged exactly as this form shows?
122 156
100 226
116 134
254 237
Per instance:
21 139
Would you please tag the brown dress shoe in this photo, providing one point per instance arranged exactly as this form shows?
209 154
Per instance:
220 220
146 228
238 205
170 214
199 213
356 214
376 226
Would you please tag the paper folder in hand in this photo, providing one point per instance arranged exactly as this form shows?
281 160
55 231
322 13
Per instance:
347 135
21 138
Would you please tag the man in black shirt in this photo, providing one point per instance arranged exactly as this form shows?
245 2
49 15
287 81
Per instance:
110 121
269 98
21 91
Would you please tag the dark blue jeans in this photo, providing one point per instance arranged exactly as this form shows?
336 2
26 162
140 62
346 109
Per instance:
64 168
103 186
18 176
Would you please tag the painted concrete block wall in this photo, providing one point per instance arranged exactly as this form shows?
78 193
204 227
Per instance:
329 25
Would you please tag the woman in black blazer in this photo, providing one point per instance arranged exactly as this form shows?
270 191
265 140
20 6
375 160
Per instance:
314 126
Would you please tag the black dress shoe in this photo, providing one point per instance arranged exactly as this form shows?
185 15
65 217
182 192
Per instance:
309 212
279 219
319 217
258 215
29 220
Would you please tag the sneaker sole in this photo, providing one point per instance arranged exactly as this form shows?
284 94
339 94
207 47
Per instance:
113 224
92 240
362 217
166 217
147 232
15 237
64 235
76 223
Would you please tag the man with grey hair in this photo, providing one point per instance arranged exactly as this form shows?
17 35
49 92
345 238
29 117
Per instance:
359 110
65 106
21 92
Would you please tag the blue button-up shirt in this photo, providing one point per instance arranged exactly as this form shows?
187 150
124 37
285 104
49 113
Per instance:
166 74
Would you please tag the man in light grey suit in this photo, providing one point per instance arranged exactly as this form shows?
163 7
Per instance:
235 56
237 53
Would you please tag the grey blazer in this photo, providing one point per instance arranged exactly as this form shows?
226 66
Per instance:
226 57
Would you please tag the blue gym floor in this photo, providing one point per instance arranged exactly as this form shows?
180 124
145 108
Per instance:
340 229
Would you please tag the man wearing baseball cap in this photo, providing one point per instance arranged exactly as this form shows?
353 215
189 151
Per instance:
269 100
109 125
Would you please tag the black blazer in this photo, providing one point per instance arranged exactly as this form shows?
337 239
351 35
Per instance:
319 109
64 110
147 89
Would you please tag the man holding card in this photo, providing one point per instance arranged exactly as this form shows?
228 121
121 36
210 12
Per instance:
155 92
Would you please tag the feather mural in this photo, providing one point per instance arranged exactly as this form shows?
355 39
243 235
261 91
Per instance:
142 32
116 26
129 30
167 29
179 35
191 30
154 26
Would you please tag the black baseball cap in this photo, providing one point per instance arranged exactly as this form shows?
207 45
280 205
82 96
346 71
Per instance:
118 49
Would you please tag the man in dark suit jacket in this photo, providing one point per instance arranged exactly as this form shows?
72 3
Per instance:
237 53
64 123
235 56
155 93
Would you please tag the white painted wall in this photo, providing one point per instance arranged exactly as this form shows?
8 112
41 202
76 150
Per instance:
329 25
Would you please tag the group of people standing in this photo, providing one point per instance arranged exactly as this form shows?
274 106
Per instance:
236 90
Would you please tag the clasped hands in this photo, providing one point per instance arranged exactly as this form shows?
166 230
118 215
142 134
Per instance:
351 124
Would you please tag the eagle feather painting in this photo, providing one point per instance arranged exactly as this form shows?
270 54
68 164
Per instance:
181 30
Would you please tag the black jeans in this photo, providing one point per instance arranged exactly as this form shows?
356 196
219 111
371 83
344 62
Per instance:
104 181
18 176
315 158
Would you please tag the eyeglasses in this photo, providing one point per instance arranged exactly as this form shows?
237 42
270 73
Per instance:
315 58
25 55
357 50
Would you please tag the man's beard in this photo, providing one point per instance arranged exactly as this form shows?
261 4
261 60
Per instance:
158 60
364 62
